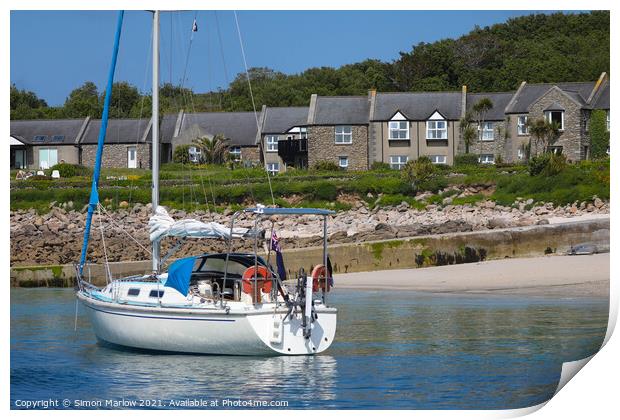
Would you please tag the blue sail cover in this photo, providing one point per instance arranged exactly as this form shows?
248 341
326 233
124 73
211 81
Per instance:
179 274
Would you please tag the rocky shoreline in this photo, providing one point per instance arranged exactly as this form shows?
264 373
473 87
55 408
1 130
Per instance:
56 237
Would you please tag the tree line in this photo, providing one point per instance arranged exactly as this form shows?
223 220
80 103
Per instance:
537 48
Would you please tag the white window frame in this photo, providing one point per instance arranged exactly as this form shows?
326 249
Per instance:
343 134
398 161
520 153
273 168
194 154
438 159
522 127
435 132
236 152
608 121
488 131
484 159
549 118
400 128
271 143
303 133
344 159
556 149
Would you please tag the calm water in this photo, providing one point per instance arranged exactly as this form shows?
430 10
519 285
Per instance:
393 350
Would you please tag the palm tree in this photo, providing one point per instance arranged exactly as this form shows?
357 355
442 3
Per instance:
543 132
468 133
213 150
480 110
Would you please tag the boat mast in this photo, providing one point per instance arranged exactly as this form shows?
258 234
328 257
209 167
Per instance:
94 192
155 131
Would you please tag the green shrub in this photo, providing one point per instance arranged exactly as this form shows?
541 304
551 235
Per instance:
537 164
380 166
324 191
598 133
325 165
69 170
419 171
468 159
547 164
181 154
555 165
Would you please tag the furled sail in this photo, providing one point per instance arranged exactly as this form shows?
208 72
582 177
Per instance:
162 225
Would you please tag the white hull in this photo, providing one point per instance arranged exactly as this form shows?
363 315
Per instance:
244 330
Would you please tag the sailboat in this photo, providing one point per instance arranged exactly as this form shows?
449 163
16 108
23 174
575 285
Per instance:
231 303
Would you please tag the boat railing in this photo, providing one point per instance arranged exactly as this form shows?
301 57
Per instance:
261 212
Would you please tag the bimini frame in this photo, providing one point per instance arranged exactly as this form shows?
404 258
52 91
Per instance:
261 213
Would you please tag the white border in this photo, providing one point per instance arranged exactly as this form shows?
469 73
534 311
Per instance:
591 395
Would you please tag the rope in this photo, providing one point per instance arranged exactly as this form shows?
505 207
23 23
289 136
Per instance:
113 223
247 74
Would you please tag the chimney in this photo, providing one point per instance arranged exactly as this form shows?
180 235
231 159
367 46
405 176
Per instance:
312 108
463 101
372 96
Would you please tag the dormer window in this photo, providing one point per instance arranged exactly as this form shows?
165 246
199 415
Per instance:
399 130
436 127
555 117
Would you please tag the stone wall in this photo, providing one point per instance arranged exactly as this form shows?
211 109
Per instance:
322 146
115 155
250 154
495 147
571 138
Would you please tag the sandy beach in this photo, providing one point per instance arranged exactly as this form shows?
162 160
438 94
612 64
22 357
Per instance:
561 276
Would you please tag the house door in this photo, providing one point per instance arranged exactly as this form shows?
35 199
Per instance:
132 158
20 159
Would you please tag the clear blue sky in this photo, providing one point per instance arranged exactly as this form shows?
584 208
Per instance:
53 52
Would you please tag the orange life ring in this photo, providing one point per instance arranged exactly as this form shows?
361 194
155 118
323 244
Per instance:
263 280
319 280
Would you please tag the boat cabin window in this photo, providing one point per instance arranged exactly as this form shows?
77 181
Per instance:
133 292
156 293
217 264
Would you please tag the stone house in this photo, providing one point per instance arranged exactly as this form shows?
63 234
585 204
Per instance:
283 138
494 139
44 143
338 131
567 104
127 144
240 128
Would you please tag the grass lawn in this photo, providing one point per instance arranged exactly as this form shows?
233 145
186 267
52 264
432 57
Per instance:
191 187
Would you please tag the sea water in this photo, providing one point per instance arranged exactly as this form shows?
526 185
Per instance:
393 350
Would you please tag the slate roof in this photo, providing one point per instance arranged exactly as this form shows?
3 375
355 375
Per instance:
602 99
499 99
239 127
279 120
53 129
530 93
120 131
166 128
334 110
417 105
